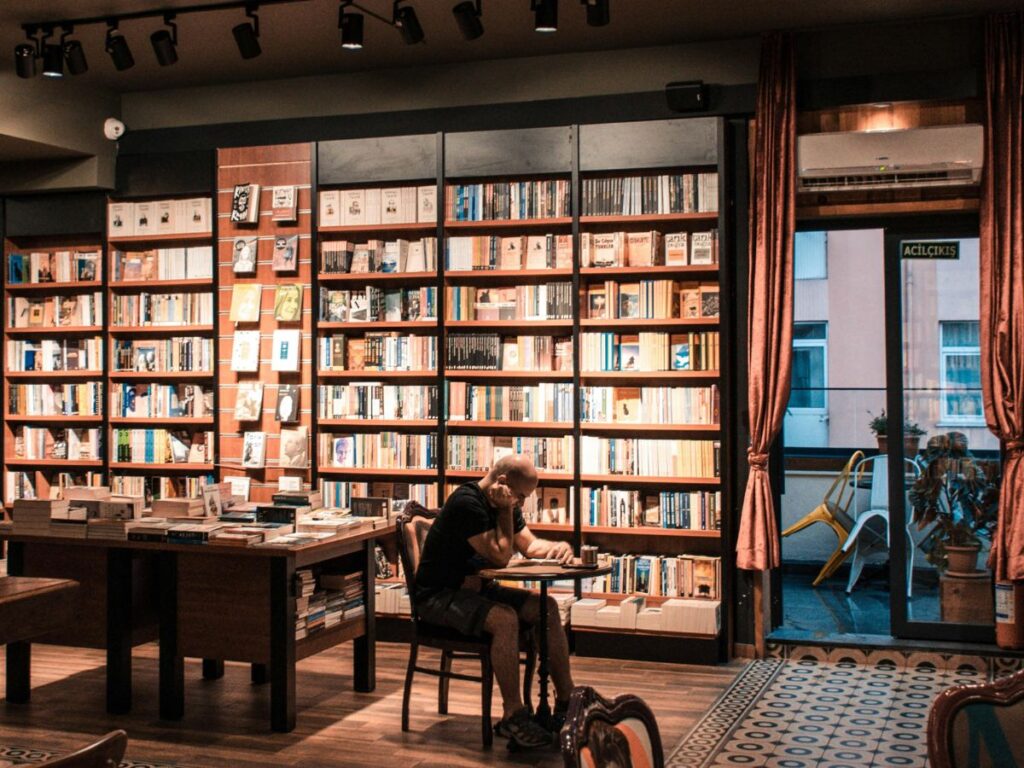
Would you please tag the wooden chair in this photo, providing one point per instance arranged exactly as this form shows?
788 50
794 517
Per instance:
978 726
105 753
412 528
600 733
833 512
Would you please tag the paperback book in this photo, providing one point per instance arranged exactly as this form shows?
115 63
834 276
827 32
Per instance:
245 204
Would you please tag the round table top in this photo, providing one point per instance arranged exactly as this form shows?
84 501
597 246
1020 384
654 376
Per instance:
532 570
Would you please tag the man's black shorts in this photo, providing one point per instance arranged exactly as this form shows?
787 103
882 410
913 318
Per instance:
465 610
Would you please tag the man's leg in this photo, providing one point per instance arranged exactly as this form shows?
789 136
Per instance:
503 626
558 644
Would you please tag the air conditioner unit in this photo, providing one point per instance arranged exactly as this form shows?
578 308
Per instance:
917 157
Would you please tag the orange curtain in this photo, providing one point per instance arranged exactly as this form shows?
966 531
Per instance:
770 311
1002 278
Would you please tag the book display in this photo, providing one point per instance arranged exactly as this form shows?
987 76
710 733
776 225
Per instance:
161 382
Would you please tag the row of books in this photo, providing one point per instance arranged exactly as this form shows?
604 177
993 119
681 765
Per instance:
179 353
508 200
649 351
378 351
696 576
247 302
159 217
293 448
82 354
152 309
154 487
480 452
675 615
549 505
162 446
166 401
53 267
19 484
54 443
494 352
379 450
374 400
649 457
325 601
650 405
339 493
377 205
84 309
245 203
190 263
373 304
618 508
650 248
547 401
650 194
550 301
285 350
489 252
378 256
55 399
651 300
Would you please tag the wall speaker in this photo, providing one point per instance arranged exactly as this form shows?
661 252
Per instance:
689 96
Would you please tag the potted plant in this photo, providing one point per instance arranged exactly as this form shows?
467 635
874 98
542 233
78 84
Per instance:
958 496
912 434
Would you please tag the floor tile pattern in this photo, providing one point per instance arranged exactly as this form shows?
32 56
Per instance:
25 756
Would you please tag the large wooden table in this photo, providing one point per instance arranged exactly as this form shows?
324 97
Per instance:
211 601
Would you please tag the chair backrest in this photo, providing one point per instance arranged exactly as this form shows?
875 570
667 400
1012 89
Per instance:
878 497
412 528
978 725
105 753
839 495
621 733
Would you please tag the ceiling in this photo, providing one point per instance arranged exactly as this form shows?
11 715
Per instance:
301 38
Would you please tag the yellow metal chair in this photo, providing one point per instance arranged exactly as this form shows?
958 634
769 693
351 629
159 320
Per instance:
834 512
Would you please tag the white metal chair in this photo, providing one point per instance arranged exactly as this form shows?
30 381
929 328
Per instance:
863 540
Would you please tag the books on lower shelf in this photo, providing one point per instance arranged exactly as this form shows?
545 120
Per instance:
162 446
143 400
53 267
55 399
651 300
53 443
154 487
54 355
159 217
508 200
22 485
675 615
650 194
74 310
187 263
682 510
325 601
373 304
650 248
649 351
176 354
545 402
490 252
378 351
551 301
494 352
339 493
378 205
479 452
649 457
692 576
378 256
378 450
650 405
162 309
374 400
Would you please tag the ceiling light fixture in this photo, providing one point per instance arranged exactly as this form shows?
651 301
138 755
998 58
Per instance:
118 48
598 12
53 56
25 60
408 24
468 15
545 15
74 53
247 36
351 26
165 42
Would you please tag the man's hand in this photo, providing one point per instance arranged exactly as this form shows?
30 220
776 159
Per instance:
561 551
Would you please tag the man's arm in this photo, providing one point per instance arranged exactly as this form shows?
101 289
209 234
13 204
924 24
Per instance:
495 545
531 546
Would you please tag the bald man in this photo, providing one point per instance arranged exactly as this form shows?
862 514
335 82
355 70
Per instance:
480 526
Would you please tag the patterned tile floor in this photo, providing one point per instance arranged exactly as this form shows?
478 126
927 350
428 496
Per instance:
827 709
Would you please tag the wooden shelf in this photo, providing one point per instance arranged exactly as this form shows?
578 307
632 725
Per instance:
153 468
370 424
477 325
426 227
51 288
650 218
650 530
20 419
154 285
522 375
591 427
467 425
160 375
681 270
56 375
674 482
357 472
328 637
555 221
184 237
543 477
381 325
648 376
161 421
371 375
645 323
375 277
57 330
550 527
488 275
159 330
52 463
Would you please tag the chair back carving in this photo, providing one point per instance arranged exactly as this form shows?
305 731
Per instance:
105 753
978 725
600 733
412 528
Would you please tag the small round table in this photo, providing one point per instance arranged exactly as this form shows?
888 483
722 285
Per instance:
543 573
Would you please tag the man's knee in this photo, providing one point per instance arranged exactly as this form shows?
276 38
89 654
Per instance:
502 621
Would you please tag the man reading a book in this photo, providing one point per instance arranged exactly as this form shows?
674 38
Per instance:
480 526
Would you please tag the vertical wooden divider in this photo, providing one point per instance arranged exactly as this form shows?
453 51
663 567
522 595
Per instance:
288 164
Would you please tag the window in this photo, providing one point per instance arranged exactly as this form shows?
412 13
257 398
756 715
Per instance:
810 366
960 372
810 251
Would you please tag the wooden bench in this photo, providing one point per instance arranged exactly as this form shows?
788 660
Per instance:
30 608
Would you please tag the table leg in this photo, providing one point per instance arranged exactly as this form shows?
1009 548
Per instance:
119 631
213 669
172 664
19 672
282 645
364 653
258 674
543 710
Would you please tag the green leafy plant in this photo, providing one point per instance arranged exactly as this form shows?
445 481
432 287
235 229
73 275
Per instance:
956 494
879 425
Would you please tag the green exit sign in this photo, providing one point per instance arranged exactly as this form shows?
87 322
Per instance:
929 249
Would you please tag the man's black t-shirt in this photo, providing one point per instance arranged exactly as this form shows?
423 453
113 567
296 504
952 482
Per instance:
447 555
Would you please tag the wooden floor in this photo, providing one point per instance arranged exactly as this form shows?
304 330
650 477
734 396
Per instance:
226 721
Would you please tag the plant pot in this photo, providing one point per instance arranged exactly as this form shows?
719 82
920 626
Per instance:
883 443
962 559
911 445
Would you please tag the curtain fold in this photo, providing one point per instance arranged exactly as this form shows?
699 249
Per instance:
770 310
1002 278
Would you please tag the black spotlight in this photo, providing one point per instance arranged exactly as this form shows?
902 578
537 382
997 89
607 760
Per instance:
74 57
165 42
468 17
247 36
25 60
118 49
598 12
408 24
545 15
53 60
351 26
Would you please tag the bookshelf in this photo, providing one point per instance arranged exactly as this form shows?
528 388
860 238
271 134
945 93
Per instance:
161 381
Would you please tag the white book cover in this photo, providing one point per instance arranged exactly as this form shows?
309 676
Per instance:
145 218
245 351
285 355
194 215
426 204
391 205
353 207
676 249
409 203
702 249
239 486
167 217
330 208
373 206
254 450
121 219
415 261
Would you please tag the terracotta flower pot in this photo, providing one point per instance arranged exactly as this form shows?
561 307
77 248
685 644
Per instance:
962 559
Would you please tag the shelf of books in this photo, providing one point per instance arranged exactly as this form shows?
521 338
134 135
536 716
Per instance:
53 372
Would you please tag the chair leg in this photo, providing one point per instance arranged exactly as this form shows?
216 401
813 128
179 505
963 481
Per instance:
442 683
856 566
485 699
910 564
531 665
413 652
